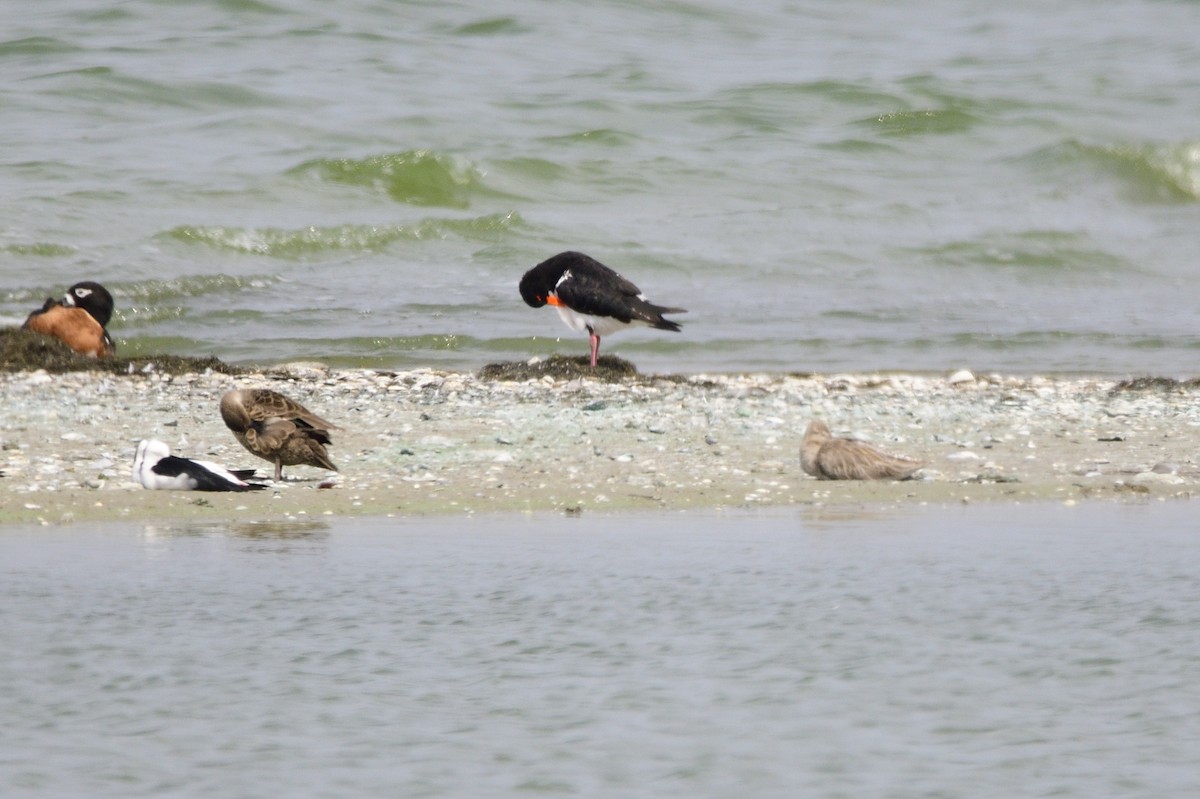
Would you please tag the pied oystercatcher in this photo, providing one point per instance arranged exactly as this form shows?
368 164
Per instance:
590 296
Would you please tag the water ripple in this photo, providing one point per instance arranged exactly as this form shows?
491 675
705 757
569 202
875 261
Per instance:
415 177
292 244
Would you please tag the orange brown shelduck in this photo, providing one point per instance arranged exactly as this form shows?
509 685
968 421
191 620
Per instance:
78 320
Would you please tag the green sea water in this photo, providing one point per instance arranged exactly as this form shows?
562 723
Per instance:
827 187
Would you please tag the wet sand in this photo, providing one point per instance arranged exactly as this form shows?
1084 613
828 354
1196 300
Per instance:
431 442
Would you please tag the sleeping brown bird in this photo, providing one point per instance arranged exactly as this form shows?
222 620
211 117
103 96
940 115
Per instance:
277 429
829 458
78 319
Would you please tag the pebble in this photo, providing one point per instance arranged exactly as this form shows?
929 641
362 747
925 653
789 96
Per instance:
1150 478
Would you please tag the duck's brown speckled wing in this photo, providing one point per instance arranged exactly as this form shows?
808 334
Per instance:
277 428
265 405
307 447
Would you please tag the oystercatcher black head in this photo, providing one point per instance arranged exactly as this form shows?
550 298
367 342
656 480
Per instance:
93 298
590 296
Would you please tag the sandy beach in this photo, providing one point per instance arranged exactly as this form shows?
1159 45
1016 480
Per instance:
430 442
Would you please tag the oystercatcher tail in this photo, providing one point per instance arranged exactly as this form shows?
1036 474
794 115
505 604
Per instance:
590 296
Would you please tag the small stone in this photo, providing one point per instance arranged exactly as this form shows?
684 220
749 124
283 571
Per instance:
1156 478
961 377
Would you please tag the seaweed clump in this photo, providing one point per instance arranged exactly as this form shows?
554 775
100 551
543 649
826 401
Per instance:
26 351
1156 384
609 369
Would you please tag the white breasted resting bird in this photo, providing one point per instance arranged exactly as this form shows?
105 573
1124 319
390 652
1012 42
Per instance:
155 467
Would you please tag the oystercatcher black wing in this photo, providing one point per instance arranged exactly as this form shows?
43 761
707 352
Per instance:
200 476
591 288
588 287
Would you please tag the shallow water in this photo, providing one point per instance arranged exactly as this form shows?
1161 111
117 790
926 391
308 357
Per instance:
826 187
970 651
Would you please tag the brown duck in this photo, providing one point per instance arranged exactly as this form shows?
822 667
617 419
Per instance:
829 458
78 319
277 429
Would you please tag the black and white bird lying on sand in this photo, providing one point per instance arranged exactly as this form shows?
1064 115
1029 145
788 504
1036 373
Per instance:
155 467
